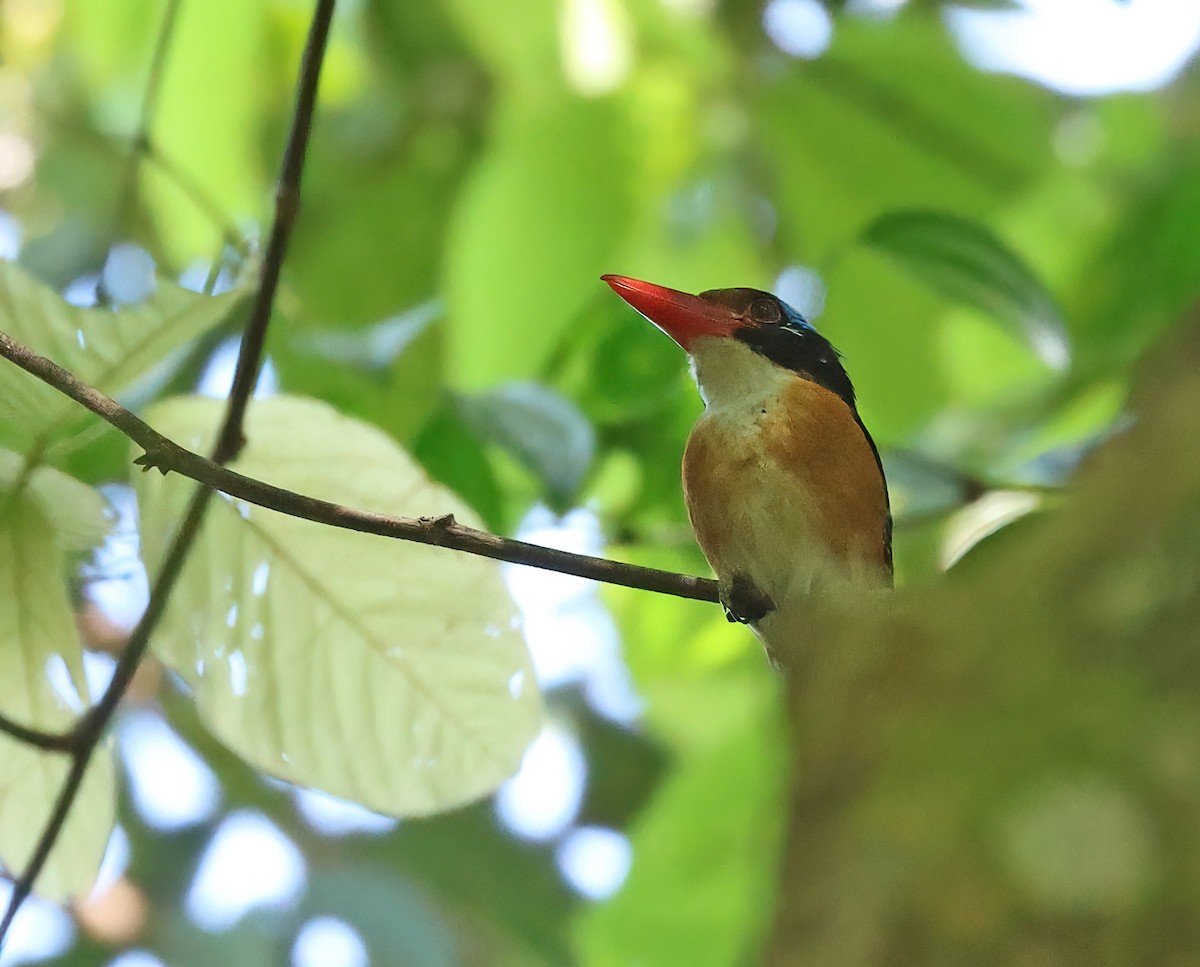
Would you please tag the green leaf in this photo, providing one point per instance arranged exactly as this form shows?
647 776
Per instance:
541 428
78 514
38 639
519 41
1144 276
452 455
374 348
388 375
109 350
919 485
215 137
952 137
513 279
379 670
963 260
376 215
709 841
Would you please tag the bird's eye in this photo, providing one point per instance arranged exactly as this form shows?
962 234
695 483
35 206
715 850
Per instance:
764 311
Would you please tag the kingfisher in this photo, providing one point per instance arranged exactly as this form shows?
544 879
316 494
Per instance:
783 484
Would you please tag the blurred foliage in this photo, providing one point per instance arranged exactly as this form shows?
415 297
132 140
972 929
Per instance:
1003 767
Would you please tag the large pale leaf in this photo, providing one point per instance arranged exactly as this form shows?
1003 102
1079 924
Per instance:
39 646
78 514
107 349
379 670
963 260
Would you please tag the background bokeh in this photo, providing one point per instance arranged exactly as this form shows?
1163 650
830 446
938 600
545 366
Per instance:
474 168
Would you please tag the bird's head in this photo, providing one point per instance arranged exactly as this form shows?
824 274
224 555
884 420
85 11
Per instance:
761 322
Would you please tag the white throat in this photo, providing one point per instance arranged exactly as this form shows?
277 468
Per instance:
732 376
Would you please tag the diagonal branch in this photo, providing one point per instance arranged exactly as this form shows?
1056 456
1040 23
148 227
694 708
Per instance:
442 532
87 733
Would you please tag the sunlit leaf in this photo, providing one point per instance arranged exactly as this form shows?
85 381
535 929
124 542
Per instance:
378 670
542 429
963 260
509 303
708 840
211 138
980 361
110 350
855 132
41 681
519 41
77 513
1144 277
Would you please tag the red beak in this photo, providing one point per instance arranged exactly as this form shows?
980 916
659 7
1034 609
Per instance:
681 316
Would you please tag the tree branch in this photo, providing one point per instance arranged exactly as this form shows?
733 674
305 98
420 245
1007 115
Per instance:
230 440
87 732
50 741
165 454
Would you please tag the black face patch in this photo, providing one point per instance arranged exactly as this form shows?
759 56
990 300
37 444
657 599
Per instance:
775 330
804 351
778 332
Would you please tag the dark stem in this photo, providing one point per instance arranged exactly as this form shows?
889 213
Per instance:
50 741
230 440
87 732
141 137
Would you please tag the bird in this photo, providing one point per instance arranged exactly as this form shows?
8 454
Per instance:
783 483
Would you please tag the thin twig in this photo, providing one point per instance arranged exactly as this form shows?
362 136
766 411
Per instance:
230 440
167 455
50 741
88 731
139 147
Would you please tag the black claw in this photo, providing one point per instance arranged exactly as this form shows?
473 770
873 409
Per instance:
744 602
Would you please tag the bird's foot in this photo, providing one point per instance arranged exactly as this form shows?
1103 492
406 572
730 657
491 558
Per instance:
743 601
